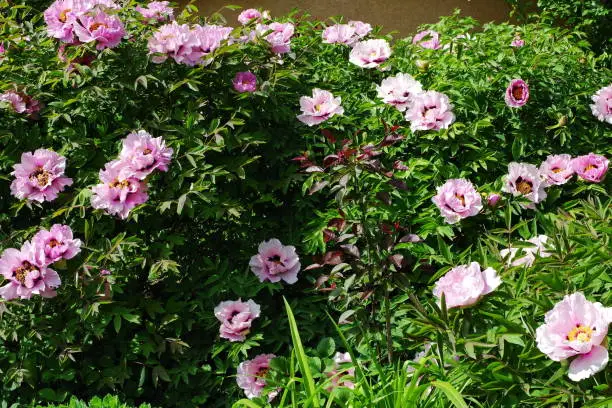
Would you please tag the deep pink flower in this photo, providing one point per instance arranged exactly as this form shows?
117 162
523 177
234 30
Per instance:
338 375
399 90
39 176
557 169
60 18
249 15
103 29
361 29
236 318
105 272
493 199
320 107
427 39
57 243
27 273
602 106
529 253
591 167
464 285
517 93
245 82
158 10
457 199
280 37
339 34
251 376
524 179
576 327
275 262
517 42
430 110
370 53
118 194
143 154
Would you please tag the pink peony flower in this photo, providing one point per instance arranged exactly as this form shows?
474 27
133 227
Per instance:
602 108
245 82
427 39
236 318
280 37
517 42
338 374
39 176
103 29
529 254
524 179
15 100
251 376
249 15
142 154
370 53
105 272
275 262
399 90
339 34
591 167
430 110
493 199
557 169
576 327
209 37
457 199
171 40
157 10
118 194
320 107
57 243
361 29
27 273
464 285
60 18
517 93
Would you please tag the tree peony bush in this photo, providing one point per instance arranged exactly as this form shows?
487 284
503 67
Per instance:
157 167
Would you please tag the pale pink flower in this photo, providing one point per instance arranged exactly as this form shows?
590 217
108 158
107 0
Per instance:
370 53
171 40
209 37
275 262
576 327
517 42
249 15
361 29
39 176
143 154
493 199
27 273
529 253
338 375
118 194
320 107
339 34
427 39
602 106
591 167
251 376
524 179
280 37
57 243
430 110
517 93
103 29
245 82
15 100
236 318
399 90
464 285
457 199
557 169
158 10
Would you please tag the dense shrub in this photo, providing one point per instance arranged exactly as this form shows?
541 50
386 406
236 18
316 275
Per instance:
134 314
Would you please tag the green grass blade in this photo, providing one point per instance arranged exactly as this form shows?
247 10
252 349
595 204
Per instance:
246 403
451 393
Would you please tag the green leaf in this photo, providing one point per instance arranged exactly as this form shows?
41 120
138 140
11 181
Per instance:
451 393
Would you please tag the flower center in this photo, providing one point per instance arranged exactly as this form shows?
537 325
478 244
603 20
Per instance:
318 108
120 184
262 372
54 242
276 259
590 167
460 198
147 151
580 333
557 170
523 186
21 272
517 92
41 176
95 26
62 17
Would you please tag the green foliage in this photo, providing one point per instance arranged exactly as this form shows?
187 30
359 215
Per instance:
96 402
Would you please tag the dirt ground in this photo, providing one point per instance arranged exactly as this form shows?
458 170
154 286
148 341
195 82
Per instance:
395 15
